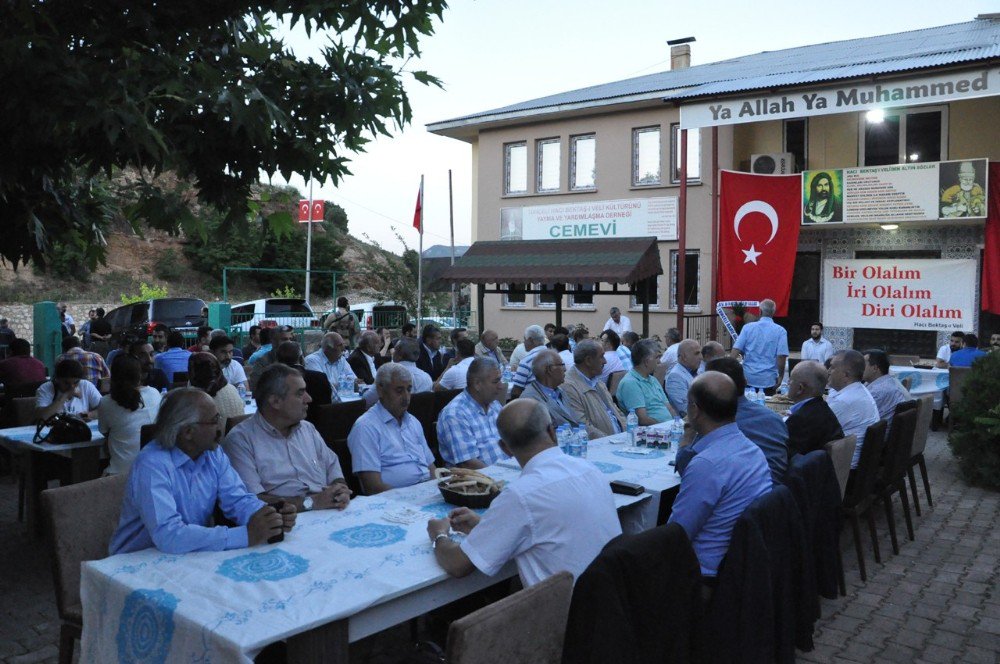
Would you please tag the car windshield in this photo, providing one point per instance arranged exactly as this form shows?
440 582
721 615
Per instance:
287 307
177 309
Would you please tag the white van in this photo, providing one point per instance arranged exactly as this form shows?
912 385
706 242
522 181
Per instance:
274 311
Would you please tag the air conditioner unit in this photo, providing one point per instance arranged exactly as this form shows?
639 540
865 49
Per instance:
778 163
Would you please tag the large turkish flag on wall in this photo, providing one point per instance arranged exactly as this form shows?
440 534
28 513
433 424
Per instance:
759 218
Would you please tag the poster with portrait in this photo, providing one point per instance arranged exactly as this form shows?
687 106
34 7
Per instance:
822 196
963 189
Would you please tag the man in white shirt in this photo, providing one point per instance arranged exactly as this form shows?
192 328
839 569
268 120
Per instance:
955 342
330 360
528 520
617 323
817 347
453 377
222 348
669 356
853 404
406 352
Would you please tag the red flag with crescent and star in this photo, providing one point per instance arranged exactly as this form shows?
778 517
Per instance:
759 218
317 211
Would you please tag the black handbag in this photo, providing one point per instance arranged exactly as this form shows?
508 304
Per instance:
63 428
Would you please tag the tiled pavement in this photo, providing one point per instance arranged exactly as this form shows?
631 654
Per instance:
937 601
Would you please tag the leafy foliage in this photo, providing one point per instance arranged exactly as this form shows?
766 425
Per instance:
207 91
146 292
286 292
168 266
974 440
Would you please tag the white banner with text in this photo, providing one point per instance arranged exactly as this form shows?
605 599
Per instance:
630 217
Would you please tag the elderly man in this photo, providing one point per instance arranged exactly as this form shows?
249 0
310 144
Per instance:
618 323
550 374
432 359
489 346
853 405
945 351
811 424
279 454
94 366
318 387
67 392
678 381
467 427
178 479
586 394
528 521
669 356
885 389
454 377
21 367
365 360
709 352
816 347
406 353
388 447
763 345
330 361
727 473
639 390
223 348
534 343
265 355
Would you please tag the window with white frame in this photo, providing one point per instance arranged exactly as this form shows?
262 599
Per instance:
693 154
645 156
547 151
547 298
515 168
515 296
583 162
635 301
901 136
692 278
581 296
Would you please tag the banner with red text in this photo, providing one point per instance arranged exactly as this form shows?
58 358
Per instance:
930 294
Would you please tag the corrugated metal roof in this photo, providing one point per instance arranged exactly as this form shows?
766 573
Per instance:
904 51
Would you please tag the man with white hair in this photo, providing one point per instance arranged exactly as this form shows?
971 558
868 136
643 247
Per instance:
669 356
678 381
489 346
330 360
388 447
618 323
534 343
178 478
550 373
763 345
586 394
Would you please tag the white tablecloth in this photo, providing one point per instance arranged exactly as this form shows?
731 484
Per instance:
924 381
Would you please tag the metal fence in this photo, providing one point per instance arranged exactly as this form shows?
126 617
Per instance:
699 328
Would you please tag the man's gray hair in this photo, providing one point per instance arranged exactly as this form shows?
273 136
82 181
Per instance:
273 383
217 332
673 336
767 308
391 371
535 333
812 375
370 338
615 310
524 431
407 350
328 338
480 368
585 350
178 410
643 349
543 361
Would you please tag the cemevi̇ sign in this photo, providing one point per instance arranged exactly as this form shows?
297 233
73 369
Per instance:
931 294
630 217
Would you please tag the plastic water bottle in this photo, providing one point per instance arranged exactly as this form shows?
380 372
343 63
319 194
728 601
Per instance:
582 439
631 424
573 442
676 433
507 376
561 438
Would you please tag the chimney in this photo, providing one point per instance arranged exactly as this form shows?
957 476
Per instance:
680 53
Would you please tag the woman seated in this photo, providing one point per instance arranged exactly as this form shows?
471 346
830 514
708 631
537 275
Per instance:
205 373
124 411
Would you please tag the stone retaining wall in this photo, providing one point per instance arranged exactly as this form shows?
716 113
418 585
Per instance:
21 316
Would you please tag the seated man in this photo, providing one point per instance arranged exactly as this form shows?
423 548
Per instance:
21 367
142 350
279 454
67 392
885 389
811 424
388 447
944 352
852 404
709 352
94 366
177 480
534 343
639 390
159 338
406 352
253 343
528 520
968 353
174 358
760 424
330 360
289 353
265 356
223 348
613 362
560 344
467 426
489 346
550 374
727 474
453 377
629 339
587 396
365 359
678 380
432 357
201 342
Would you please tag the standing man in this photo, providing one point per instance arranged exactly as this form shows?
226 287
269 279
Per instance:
330 360
534 343
489 346
817 347
763 345
467 427
550 374
678 381
587 396
431 356
617 323
343 322
100 333
944 352
223 347
811 424
852 404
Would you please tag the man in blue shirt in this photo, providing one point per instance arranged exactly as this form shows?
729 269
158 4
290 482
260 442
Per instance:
764 347
177 480
968 354
679 379
467 427
726 475
175 358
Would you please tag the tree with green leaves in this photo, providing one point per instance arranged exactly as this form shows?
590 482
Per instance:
207 91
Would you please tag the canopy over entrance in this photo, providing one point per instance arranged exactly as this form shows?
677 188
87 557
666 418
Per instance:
556 263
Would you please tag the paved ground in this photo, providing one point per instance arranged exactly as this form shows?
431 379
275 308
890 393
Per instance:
937 601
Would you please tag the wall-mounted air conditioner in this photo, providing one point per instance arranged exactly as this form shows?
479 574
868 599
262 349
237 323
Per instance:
777 163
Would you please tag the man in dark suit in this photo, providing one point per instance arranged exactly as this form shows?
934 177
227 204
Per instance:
811 423
317 386
432 359
365 360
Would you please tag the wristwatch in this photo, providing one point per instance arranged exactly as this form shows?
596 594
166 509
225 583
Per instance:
307 503
437 538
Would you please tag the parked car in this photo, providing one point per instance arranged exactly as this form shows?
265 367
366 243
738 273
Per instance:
273 311
373 315
139 318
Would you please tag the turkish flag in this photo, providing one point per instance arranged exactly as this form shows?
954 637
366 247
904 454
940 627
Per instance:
317 211
418 211
759 217
991 251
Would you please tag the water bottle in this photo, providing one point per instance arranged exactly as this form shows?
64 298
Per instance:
506 377
631 424
583 439
676 434
561 440
573 442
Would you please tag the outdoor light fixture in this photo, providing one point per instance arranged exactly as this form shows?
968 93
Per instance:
914 157
889 227
875 115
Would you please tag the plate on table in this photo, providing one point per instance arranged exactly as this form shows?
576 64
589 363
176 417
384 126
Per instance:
467 488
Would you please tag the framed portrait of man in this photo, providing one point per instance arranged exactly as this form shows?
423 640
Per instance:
822 196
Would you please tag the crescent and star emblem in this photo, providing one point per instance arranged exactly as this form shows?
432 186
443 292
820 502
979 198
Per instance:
765 209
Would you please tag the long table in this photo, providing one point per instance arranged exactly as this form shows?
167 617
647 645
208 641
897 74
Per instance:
924 381
338 577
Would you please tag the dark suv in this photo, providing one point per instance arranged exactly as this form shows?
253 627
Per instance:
138 319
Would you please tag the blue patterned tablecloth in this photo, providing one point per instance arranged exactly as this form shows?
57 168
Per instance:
924 381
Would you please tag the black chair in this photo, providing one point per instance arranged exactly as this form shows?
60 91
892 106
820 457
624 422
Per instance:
20 390
334 423
859 498
422 407
813 483
896 461
233 421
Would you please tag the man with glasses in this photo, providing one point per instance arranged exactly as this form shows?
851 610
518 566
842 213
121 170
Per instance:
550 374
330 361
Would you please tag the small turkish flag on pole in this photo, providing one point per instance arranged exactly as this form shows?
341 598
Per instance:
418 212
317 211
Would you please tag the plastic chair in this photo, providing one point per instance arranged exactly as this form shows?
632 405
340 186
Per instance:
859 496
924 413
841 452
896 461
81 519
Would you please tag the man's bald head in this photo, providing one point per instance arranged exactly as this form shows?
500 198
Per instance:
689 354
811 375
524 423
715 395
712 350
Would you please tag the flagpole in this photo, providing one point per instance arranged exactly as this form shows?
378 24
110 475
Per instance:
451 222
309 241
420 259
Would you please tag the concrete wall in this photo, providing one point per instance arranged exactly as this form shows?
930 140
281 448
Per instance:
21 316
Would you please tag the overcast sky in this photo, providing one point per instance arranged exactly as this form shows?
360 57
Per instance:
491 53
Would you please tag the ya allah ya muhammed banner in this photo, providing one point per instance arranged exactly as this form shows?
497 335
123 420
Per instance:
629 217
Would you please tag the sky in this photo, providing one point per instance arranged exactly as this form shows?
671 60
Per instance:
491 53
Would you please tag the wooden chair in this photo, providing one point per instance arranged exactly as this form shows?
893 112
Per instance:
81 519
903 360
233 421
528 627
895 463
956 388
859 496
924 413
334 422
841 452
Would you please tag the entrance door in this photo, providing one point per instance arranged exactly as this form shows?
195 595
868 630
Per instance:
803 303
